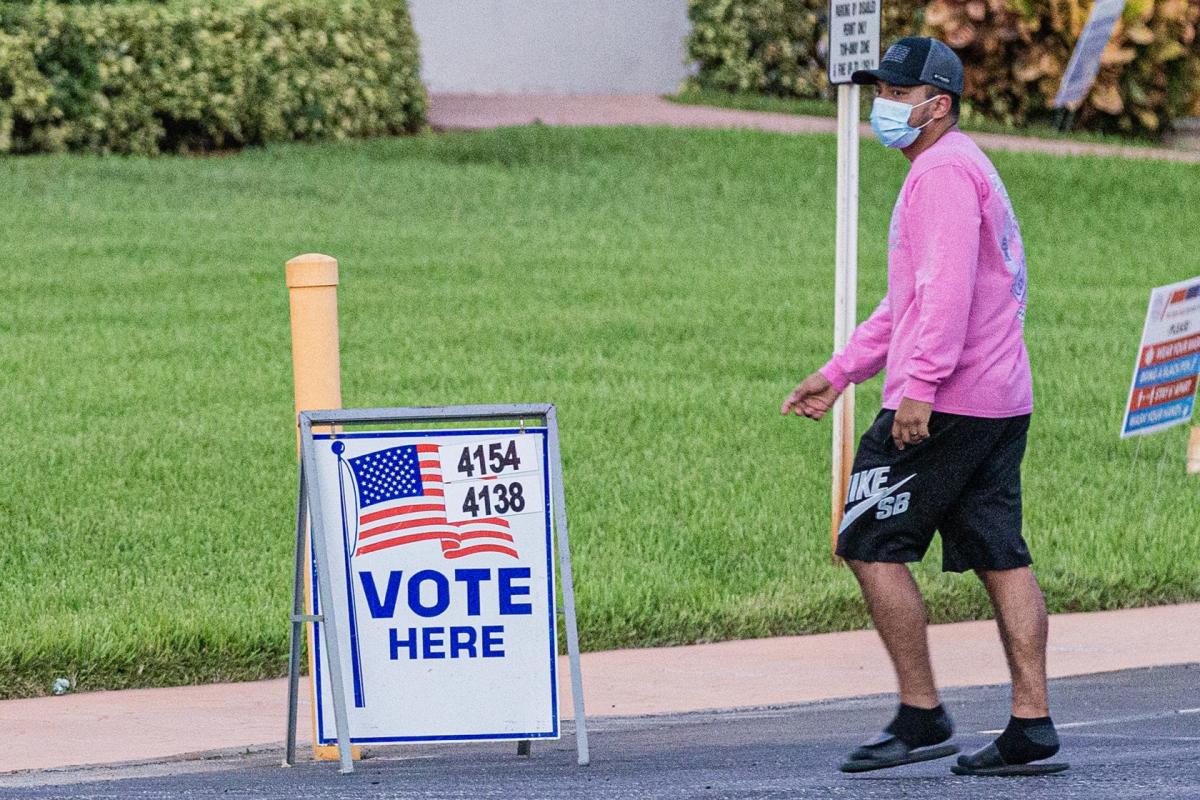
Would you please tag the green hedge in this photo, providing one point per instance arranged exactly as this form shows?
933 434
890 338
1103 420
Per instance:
1015 52
150 77
772 46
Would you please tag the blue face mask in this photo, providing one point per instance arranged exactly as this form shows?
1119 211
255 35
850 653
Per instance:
889 120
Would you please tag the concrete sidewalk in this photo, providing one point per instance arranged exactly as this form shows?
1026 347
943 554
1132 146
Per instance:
147 724
473 112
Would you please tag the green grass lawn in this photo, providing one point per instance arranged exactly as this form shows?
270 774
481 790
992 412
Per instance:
665 288
828 108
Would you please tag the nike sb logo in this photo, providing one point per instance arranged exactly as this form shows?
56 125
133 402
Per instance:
868 490
867 482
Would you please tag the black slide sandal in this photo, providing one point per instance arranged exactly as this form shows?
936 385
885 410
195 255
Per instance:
888 751
988 762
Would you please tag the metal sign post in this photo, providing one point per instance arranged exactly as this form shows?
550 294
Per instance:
1193 452
845 294
853 45
433 557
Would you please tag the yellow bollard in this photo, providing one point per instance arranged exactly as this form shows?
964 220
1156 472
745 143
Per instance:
312 281
1193 457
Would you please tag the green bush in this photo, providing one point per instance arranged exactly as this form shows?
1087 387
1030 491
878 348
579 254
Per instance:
150 77
1015 52
772 46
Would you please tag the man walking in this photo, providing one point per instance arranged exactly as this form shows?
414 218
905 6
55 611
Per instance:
945 451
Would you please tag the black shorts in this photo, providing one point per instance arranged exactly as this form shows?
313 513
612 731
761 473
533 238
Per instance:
963 481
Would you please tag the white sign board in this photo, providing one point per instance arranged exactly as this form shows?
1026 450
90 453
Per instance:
1085 59
443 585
1163 392
853 38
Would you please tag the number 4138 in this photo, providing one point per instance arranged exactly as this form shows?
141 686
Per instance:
494 498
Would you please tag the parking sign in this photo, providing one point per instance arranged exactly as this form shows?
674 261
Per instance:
853 38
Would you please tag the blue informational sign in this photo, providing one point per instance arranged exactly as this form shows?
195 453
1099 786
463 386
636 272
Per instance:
1163 392
1085 60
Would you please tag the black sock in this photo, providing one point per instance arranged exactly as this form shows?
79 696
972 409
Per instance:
921 727
1027 739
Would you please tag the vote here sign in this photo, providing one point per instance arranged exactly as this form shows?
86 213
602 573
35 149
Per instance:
1164 380
443 587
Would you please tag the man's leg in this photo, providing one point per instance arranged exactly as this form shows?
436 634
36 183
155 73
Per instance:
1030 735
921 726
898 611
875 536
1021 617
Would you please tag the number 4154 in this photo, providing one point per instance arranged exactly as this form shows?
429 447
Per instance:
496 459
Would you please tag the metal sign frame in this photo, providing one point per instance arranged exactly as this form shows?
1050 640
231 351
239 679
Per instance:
329 630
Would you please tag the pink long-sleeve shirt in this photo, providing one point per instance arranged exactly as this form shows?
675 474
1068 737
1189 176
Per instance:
951 327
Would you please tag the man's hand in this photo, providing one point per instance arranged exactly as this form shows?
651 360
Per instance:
911 425
812 398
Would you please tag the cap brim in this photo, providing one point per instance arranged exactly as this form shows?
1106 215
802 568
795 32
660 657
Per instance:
866 77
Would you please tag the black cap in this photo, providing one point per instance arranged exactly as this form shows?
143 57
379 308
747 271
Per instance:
915 60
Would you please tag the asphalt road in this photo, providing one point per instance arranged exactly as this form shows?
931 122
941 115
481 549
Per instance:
1133 734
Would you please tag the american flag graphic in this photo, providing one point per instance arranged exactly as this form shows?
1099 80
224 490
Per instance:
1181 296
401 500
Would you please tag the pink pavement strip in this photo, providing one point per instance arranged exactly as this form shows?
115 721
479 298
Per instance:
149 724
474 112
